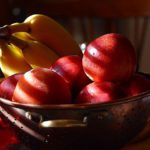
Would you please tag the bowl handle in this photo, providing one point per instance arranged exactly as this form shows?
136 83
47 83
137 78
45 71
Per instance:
62 123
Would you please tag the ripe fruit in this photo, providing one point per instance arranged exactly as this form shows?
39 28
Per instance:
136 85
8 85
23 35
35 53
110 57
11 59
41 86
70 68
99 93
45 30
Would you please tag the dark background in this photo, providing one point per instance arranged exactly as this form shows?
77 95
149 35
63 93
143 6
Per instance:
88 19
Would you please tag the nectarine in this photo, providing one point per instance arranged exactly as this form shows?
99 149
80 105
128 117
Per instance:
42 86
136 85
8 85
99 93
110 57
70 68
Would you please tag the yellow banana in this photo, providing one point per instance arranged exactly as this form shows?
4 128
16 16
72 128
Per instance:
35 53
11 59
47 31
23 35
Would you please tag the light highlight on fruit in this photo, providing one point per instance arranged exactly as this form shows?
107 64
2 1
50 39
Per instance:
110 57
42 86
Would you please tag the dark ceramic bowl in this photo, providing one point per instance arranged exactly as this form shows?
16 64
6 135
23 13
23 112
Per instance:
78 127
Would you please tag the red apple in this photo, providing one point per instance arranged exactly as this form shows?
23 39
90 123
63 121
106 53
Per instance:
136 85
99 93
70 68
42 86
8 85
110 57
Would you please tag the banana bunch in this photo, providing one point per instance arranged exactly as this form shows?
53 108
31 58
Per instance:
35 53
11 59
47 31
36 42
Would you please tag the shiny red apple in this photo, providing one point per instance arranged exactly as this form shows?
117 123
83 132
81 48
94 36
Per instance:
99 93
8 85
70 68
42 86
110 57
136 85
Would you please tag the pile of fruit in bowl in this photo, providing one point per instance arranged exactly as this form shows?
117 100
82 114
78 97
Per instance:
87 100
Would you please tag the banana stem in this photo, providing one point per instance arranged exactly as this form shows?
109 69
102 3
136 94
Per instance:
18 42
7 30
19 27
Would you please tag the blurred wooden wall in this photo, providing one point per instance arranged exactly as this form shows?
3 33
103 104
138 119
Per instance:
122 12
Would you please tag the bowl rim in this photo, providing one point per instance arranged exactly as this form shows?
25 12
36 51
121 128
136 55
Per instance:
84 106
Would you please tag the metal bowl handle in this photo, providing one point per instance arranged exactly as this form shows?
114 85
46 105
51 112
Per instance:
62 123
